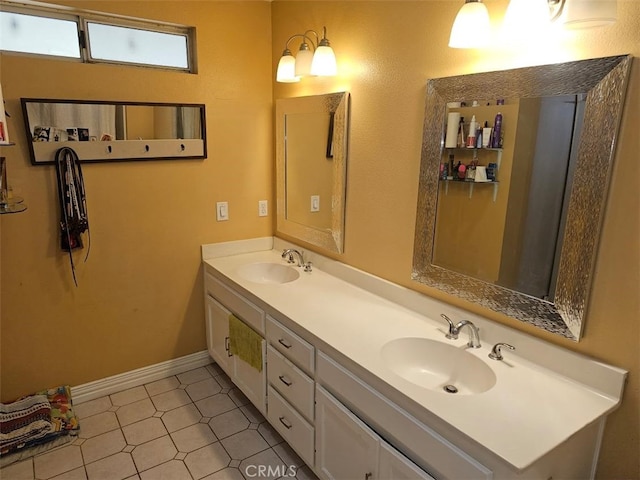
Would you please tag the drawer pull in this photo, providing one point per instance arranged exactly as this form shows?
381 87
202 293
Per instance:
285 422
226 347
367 476
284 343
284 380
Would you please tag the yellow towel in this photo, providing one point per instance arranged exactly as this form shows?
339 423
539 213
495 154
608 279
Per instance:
245 343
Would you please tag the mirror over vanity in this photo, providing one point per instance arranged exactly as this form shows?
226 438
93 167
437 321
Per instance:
523 241
311 160
104 131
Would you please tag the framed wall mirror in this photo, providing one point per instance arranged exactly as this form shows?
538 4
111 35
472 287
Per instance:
106 131
311 160
520 239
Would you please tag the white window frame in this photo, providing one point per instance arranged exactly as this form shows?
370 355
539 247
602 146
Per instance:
81 18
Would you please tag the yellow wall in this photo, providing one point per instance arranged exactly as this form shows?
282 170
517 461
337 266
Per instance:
386 52
139 300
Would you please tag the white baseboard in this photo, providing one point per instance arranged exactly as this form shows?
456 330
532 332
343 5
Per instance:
135 378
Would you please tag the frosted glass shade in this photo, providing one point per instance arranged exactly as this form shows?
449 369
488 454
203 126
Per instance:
303 63
525 19
324 62
471 28
589 13
286 69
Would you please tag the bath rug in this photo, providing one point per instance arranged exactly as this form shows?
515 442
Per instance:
46 420
24 420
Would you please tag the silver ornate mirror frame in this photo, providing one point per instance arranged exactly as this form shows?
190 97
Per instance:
604 80
332 103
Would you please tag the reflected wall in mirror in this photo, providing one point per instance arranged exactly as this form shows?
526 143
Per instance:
102 131
523 241
311 158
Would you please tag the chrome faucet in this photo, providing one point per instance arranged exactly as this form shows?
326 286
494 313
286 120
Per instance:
289 253
454 331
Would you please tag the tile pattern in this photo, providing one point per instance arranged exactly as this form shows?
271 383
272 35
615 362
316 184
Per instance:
192 426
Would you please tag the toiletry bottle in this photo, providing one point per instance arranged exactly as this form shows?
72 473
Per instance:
486 135
497 131
492 171
456 170
451 167
461 133
462 171
471 139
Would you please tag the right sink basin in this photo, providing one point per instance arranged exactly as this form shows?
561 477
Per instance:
438 366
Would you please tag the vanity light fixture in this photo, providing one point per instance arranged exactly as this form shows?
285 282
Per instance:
320 62
471 28
525 18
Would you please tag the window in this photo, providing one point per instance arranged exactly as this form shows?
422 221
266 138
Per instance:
39 35
113 43
96 38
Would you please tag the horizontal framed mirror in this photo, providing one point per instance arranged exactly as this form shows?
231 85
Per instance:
106 131
311 161
511 220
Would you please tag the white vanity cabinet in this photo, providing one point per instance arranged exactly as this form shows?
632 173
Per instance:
327 390
220 303
347 448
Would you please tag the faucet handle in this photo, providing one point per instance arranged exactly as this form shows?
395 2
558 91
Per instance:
453 331
288 255
307 266
496 352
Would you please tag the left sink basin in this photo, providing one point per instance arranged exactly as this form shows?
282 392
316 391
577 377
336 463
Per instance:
267 272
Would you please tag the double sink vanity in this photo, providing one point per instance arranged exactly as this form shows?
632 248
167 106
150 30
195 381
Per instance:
359 377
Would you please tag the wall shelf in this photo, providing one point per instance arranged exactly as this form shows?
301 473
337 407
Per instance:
471 184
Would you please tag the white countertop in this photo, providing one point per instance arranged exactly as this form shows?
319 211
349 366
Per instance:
528 412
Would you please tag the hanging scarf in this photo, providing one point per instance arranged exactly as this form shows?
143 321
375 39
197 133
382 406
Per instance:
73 203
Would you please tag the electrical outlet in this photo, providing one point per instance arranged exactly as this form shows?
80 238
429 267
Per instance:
315 203
222 211
263 209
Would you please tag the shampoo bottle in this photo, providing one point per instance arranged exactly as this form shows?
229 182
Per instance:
497 131
471 139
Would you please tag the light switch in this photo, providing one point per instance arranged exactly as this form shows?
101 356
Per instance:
263 209
222 211
315 203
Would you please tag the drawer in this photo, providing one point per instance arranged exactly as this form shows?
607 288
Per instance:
294 385
243 308
298 433
292 346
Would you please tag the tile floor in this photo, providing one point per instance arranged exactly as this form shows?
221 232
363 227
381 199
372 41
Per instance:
192 426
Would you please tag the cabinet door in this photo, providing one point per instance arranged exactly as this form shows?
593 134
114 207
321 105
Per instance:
345 446
252 382
395 466
217 323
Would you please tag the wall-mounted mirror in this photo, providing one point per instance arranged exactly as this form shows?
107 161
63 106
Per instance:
105 131
311 160
521 241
